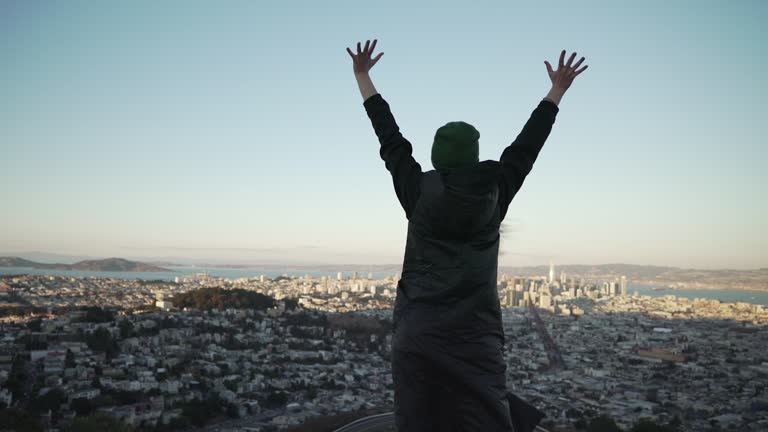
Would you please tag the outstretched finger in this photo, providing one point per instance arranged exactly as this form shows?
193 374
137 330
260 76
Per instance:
549 67
350 53
377 58
358 48
576 66
581 70
373 45
562 59
368 42
570 59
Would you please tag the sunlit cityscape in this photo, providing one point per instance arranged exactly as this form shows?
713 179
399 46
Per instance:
154 353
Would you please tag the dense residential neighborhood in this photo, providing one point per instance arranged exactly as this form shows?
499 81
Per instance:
272 354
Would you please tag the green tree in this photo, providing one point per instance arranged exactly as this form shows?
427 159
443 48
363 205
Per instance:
35 325
98 423
16 420
126 328
201 412
312 393
101 341
82 406
232 411
231 385
96 314
602 423
652 395
52 400
69 359
276 399
646 424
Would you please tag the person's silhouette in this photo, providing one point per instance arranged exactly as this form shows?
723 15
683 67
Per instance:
448 367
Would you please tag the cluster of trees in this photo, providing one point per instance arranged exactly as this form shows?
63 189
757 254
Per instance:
359 328
219 298
97 423
604 423
51 400
101 340
96 314
275 398
12 419
358 324
18 420
307 318
195 413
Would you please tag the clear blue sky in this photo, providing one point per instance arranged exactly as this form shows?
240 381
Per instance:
235 130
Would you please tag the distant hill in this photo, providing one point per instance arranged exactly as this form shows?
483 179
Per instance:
108 264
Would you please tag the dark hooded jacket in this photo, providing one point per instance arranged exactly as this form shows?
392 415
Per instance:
447 316
451 255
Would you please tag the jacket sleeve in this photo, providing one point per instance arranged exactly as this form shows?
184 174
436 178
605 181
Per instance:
518 158
396 151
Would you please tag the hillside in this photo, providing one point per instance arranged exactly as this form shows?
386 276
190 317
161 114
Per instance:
108 264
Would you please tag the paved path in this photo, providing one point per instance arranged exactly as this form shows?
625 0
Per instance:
380 423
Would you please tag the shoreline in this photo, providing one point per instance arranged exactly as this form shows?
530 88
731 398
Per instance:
706 288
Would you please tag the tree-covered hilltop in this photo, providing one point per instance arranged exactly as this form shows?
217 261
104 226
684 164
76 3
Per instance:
219 298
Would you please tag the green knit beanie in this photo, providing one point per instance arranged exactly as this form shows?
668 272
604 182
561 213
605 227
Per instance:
456 144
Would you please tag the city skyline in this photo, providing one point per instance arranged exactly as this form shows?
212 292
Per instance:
238 134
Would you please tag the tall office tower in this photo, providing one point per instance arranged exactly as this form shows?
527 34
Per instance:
354 275
373 289
325 284
370 276
562 277
261 278
551 272
623 285
518 281
545 300
338 276
526 298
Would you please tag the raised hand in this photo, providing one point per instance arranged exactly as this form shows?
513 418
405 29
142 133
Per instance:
565 73
362 62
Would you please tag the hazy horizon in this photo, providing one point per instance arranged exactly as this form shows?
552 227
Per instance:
237 132
45 257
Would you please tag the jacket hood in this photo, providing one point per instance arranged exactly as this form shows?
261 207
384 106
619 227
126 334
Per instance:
461 201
